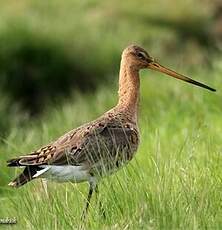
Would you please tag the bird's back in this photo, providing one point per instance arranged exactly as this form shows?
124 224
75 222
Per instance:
103 144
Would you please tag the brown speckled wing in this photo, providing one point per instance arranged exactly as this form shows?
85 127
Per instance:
105 143
39 157
86 145
58 152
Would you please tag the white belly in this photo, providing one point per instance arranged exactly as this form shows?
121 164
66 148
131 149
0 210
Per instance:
64 173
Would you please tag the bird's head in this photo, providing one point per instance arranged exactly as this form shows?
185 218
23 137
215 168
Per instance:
138 58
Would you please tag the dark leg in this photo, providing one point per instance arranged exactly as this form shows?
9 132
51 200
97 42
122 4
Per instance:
85 211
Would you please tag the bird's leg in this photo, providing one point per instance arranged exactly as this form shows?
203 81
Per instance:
101 208
92 187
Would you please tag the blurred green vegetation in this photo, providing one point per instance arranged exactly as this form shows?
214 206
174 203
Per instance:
50 48
174 181
59 63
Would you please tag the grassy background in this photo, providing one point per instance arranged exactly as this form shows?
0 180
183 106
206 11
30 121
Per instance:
174 182
78 43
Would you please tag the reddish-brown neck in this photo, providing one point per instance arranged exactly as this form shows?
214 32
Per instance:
129 85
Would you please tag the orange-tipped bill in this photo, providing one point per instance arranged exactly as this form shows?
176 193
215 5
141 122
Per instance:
156 66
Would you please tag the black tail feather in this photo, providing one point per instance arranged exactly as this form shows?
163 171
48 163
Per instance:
24 177
13 162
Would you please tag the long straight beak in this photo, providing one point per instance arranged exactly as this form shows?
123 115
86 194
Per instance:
156 66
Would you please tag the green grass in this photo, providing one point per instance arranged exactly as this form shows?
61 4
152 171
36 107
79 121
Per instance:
174 181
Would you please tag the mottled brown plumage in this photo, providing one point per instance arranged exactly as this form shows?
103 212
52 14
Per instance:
100 147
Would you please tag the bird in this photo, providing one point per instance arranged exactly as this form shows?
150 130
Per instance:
101 147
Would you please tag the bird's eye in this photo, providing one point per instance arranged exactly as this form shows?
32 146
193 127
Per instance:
141 56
